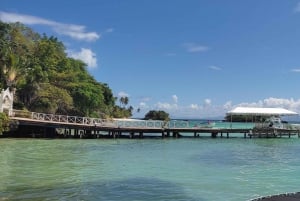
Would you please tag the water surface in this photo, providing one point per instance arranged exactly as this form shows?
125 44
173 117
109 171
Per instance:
195 169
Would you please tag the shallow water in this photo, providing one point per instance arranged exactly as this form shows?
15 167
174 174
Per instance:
195 169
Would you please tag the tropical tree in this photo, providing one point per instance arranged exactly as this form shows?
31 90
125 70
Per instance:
157 115
124 100
47 80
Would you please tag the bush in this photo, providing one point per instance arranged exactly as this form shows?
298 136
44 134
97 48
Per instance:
157 115
4 123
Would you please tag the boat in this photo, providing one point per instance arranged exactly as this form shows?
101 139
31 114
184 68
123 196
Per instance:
208 124
273 122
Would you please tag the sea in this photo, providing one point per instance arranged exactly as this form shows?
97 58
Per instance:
169 169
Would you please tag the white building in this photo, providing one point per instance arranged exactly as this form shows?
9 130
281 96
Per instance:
6 101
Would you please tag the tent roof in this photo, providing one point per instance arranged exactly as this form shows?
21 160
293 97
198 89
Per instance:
260 111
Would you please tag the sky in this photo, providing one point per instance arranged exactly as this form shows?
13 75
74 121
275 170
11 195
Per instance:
192 59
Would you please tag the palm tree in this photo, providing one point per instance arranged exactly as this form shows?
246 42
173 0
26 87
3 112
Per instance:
124 100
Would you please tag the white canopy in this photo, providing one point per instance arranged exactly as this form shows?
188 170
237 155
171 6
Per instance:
261 111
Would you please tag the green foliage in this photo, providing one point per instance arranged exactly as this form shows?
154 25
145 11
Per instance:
47 80
157 115
122 110
4 123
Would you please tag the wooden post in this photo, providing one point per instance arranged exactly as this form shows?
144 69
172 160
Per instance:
214 134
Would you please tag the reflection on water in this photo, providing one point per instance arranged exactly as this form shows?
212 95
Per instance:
150 169
134 189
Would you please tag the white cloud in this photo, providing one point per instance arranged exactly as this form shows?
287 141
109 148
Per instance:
289 104
296 70
143 105
207 102
145 99
85 55
194 106
74 31
109 30
166 106
209 110
227 105
215 68
192 47
175 98
297 8
123 94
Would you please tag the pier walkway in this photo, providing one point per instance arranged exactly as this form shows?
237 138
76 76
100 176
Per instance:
51 125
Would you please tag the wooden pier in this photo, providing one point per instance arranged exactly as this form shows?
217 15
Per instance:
32 124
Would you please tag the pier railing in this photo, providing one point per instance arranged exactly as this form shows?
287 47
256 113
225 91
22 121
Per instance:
125 123
89 121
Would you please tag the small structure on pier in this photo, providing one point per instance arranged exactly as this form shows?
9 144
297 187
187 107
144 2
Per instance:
272 126
263 111
6 101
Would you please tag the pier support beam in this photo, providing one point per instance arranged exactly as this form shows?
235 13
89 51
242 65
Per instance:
214 134
75 133
176 134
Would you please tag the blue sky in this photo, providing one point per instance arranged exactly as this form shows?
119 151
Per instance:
193 59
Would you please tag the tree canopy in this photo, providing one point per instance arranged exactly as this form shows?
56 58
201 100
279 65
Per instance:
157 115
46 80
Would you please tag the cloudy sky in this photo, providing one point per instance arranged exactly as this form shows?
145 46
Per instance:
193 59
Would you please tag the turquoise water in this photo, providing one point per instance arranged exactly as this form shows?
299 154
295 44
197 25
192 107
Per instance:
197 169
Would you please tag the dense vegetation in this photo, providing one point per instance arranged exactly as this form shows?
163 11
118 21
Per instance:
157 115
46 80
4 123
